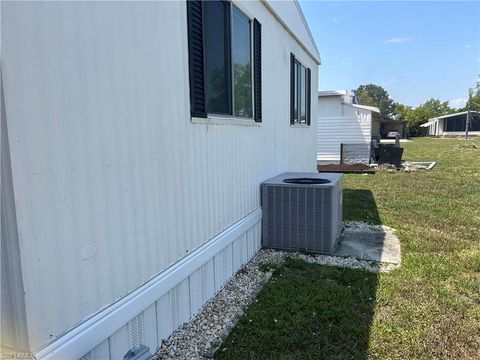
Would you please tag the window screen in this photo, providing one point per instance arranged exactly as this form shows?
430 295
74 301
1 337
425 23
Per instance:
474 122
455 123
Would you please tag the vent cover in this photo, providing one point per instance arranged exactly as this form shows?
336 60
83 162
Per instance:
302 216
136 330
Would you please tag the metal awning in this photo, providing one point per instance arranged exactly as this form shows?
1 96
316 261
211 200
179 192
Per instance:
431 122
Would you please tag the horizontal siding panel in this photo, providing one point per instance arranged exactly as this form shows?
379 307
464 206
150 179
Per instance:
335 130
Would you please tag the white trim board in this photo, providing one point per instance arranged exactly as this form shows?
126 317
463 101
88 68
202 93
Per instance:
315 57
86 336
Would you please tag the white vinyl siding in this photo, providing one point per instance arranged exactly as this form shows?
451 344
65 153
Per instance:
335 130
113 182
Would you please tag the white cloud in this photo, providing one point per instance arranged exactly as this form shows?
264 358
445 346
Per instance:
396 40
457 103
336 20
467 46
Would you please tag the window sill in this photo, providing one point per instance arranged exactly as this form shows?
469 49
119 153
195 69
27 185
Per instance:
300 126
220 120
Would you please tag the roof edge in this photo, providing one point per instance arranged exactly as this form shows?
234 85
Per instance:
315 57
454 114
332 93
308 29
430 122
364 107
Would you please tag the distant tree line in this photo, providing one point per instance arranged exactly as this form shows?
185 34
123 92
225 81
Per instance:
375 95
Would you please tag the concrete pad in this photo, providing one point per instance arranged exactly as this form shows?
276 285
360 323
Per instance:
369 242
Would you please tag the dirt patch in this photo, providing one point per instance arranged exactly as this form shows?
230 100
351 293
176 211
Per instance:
389 167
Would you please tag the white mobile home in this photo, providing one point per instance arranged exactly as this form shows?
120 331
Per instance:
135 136
454 124
343 122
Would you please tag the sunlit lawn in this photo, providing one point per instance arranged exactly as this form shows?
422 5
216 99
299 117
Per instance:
429 308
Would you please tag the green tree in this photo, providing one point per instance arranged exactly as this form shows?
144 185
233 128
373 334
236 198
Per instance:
414 117
422 113
375 95
430 109
403 112
473 102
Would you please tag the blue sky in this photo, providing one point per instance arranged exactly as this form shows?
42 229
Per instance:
415 50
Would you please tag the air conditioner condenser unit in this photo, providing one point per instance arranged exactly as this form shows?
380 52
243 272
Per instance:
302 211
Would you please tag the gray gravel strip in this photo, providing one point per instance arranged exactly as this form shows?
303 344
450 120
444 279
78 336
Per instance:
200 337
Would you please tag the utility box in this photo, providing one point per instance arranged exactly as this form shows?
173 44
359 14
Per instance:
302 211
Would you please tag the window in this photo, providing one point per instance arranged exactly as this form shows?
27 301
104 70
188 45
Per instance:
225 61
295 93
242 64
300 93
216 22
302 87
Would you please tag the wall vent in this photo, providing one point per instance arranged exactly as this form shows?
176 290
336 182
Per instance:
136 331
174 307
304 214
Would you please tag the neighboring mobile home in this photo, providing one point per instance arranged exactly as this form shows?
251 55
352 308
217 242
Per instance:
454 124
342 121
135 136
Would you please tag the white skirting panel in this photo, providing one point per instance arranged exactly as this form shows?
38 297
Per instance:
152 312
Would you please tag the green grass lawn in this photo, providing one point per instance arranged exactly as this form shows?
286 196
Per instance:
429 308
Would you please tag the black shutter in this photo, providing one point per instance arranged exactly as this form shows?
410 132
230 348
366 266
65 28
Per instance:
292 89
309 94
196 58
257 69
